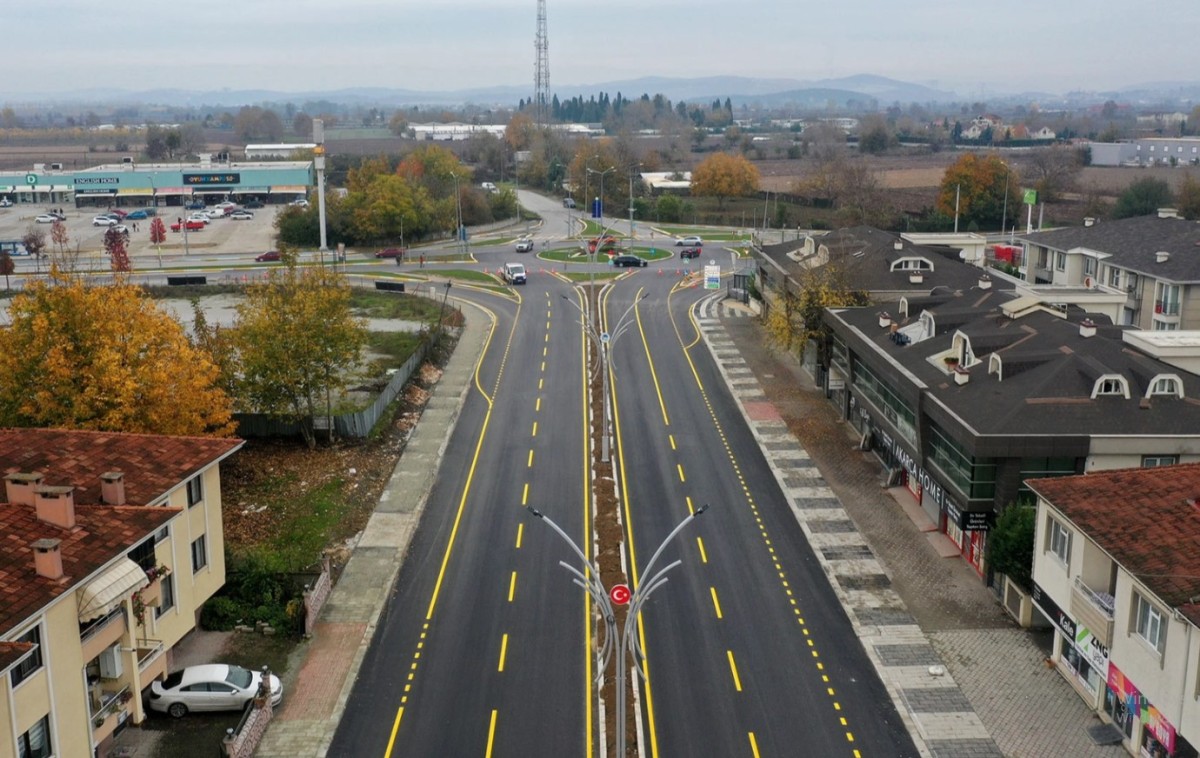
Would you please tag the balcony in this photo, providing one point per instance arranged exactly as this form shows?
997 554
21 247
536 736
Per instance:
102 634
151 661
1167 310
1093 609
110 709
152 593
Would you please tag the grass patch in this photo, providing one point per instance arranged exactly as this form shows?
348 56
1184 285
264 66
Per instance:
397 346
372 303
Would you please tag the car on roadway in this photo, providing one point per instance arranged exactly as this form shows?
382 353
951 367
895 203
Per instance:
105 221
270 255
46 218
391 252
253 204
634 261
241 215
524 245
192 225
210 687
689 242
690 252
568 202
513 273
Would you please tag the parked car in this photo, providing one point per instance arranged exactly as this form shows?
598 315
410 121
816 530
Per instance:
628 260
120 214
241 215
46 218
104 221
270 255
56 214
690 252
524 245
299 203
513 273
191 225
201 216
138 215
391 252
253 204
210 687
568 202
689 242
197 205
215 212
120 229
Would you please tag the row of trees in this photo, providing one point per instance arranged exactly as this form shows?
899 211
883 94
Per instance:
107 358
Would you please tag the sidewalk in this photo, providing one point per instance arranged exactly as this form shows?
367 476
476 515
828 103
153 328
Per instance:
914 609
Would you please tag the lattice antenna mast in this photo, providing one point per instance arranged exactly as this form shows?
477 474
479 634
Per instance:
541 69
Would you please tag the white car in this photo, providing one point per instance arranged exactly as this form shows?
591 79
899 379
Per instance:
46 218
299 203
689 242
226 206
104 221
241 215
524 245
211 687
5 202
201 216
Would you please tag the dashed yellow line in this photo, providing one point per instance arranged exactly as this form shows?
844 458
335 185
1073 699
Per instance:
525 494
753 745
671 437
520 534
491 736
503 652
534 429
537 407
716 602
737 680
530 463
691 508
679 468
703 552
512 586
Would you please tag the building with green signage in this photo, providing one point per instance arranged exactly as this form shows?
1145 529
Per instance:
135 185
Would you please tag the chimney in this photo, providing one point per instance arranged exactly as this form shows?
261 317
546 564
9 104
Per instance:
1162 256
885 320
1087 328
18 487
47 558
898 244
112 488
1089 221
55 505
985 282
1168 213
961 375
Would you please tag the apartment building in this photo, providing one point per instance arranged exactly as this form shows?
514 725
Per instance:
1116 572
109 545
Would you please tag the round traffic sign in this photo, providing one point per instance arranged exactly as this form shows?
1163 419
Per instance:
604 336
619 594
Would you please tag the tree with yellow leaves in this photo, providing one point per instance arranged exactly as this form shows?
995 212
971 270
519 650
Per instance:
297 344
795 307
723 175
104 358
981 184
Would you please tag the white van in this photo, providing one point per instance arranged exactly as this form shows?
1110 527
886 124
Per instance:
489 187
513 273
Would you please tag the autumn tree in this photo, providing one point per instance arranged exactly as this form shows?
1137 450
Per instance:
158 231
60 237
1187 198
1142 198
297 344
795 310
7 267
981 184
722 175
398 124
104 358
114 246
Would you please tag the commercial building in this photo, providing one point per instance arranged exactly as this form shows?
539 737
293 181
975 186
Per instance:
1116 572
111 544
134 185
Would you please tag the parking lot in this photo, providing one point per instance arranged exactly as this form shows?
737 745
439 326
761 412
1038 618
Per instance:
224 235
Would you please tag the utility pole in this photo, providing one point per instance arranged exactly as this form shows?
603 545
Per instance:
318 127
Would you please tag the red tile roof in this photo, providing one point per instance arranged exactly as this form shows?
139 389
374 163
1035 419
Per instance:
152 464
104 532
1147 519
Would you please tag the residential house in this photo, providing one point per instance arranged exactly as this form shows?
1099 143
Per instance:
1116 571
110 545
1150 261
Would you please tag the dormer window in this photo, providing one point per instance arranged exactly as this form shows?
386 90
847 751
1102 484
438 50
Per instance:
912 264
1165 385
1111 385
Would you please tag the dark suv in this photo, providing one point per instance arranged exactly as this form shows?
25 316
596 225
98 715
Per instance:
690 252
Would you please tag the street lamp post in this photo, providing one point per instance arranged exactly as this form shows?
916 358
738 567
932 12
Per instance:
624 642
631 199
1004 212
458 235
596 249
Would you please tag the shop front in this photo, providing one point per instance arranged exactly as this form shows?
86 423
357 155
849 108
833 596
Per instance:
968 529
1081 659
1145 731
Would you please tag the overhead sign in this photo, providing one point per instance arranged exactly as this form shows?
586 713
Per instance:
212 178
619 594
712 277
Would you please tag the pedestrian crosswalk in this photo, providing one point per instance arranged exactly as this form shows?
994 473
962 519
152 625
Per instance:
722 307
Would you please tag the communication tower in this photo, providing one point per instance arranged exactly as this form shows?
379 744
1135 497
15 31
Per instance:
541 69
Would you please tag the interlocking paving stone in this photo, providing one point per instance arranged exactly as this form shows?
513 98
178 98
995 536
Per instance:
780 444
864 581
816 502
964 749
784 462
847 552
831 526
907 655
884 616
936 700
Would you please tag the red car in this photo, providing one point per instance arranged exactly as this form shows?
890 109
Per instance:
117 212
192 226
391 252
602 243
690 252
270 255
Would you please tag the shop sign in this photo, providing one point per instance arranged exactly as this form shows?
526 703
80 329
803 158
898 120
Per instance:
1056 615
1129 694
211 178
1155 723
97 180
1091 649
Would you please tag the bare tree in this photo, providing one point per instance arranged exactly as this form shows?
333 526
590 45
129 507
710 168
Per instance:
1053 170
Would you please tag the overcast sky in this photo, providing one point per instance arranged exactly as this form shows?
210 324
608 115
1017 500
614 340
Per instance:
973 47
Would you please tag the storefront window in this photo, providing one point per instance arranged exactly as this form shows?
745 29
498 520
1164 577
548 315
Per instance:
890 404
975 477
1036 468
1085 674
839 354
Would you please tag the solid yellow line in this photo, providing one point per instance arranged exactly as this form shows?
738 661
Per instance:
503 652
512 586
395 728
716 602
525 494
703 554
679 468
753 745
637 314
520 533
530 463
491 736
737 681
589 735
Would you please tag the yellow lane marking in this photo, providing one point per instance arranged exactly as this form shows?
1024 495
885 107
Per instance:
737 681
545 350
512 586
503 652
547 337
530 463
716 602
540 383
395 728
679 468
703 553
671 437
637 314
543 367
586 478
534 428
538 405
753 745
491 736
688 500
525 494
520 533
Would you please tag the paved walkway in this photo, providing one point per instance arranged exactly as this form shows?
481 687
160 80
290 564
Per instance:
914 609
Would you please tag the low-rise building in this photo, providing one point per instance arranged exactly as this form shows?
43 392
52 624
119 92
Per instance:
110 545
1116 572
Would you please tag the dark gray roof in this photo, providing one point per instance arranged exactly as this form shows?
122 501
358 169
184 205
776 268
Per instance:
1048 371
1133 244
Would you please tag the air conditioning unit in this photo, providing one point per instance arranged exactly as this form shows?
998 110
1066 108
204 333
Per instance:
56 167
110 663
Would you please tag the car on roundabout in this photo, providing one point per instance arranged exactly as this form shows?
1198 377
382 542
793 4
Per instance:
628 261
689 242
210 687
513 273
690 252
524 245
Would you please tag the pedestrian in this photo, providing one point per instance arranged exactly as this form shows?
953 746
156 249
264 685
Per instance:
422 260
